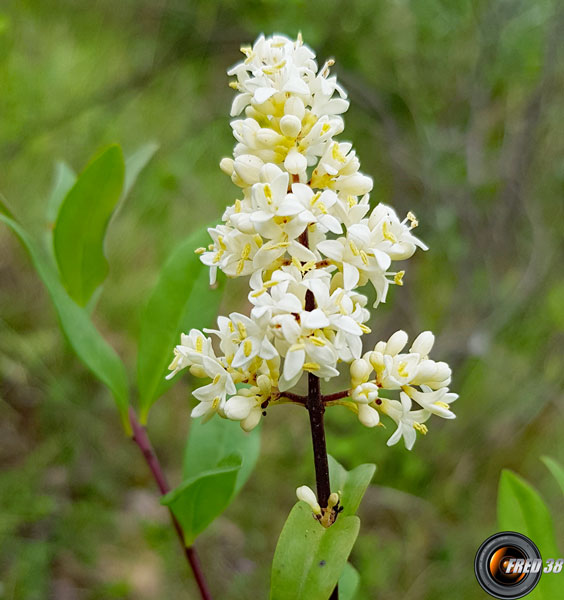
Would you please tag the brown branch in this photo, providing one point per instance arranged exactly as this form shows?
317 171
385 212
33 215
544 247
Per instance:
336 396
294 397
316 409
142 440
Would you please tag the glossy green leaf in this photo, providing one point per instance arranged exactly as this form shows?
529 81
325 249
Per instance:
556 469
351 484
520 508
78 237
210 443
349 583
64 179
135 163
310 558
201 499
182 299
85 340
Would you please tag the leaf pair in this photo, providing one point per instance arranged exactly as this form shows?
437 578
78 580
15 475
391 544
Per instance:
78 212
521 508
219 459
310 559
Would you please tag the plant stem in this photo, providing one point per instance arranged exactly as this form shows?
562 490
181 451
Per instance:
316 409
142 440
336 396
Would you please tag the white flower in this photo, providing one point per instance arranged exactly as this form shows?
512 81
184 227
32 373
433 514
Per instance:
408 421
212 396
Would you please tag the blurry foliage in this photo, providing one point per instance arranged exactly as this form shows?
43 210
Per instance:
456 113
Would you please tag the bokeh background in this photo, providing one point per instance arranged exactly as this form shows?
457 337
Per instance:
456 112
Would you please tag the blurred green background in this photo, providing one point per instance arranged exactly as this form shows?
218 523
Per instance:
456 111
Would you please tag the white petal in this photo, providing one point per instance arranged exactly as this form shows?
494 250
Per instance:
293 363
350 276
315 319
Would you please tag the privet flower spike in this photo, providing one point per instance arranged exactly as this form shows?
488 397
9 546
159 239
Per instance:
303 224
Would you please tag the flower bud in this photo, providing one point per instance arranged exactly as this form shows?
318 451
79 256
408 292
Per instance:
396 343
290 126
247 167
238 408
423 343
295 162
226 165
355 185
268 137
333 500
368 416
306 494
360 371
295 106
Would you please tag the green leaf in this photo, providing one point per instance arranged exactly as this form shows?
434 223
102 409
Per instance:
521 508
182 299
135 163
78 237
556 469
85 340
348 583
210 443
64 179
351 484
310 558
201 499
4 210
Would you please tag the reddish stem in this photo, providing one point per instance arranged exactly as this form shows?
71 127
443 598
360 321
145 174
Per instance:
142 440
336 396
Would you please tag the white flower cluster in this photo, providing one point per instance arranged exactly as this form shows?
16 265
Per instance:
414 374
304 231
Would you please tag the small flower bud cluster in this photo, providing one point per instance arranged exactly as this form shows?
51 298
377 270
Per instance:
326 516
304 232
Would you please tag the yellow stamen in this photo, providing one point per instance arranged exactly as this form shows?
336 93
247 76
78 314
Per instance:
267 193
364 257
237 206
311 366
199 344
242 330
216 379
231 328
240 266
364 328
353 248
412 219
246 251
398 277
388 235
247 347
421 428
299 346
258 293
199 250
351 200
258 240
401 369
317 341
442 404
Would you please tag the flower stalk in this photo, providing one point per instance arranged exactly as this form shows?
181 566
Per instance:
143 442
